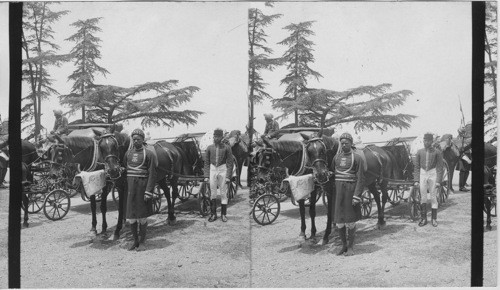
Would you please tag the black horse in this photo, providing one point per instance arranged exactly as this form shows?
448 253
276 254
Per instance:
289 154
84 151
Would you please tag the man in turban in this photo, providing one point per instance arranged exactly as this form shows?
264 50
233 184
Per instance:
141 166
272 127
349 184
60 124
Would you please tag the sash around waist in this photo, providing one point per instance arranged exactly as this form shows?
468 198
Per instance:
345 177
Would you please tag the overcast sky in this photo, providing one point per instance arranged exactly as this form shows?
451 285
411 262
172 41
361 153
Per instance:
422 47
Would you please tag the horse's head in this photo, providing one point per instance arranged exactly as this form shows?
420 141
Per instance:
109 149
316 151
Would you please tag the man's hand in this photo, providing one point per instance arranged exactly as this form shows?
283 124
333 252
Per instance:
147 196
437 186
228 180
416 183
52 132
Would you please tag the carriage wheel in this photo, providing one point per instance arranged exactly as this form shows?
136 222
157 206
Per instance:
414 203
394 196
157 200
232 188
266 209
366 203
184 192
204 199
35 201
56 204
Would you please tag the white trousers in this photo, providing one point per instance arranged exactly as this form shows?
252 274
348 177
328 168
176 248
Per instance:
218 179
428 183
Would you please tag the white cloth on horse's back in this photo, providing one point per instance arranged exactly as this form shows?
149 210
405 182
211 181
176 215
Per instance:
301 186
92 181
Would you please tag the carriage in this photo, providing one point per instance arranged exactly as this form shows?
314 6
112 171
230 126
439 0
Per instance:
402 190
267 194
47 192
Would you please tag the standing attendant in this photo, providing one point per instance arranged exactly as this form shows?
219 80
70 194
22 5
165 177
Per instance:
428 175
464 166
272 127
141 166
349 184
218 170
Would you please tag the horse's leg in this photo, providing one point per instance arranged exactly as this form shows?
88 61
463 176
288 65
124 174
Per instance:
328 190
376 195
120 186
238 171
25 203
385 197
487 206
166 191
312 214
104 208
94 218
175 194
302 210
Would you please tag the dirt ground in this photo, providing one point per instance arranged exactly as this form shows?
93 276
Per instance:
241 253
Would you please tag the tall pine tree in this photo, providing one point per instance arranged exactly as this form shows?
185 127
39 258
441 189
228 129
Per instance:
85 53
259 60
490 74
297 58
39 55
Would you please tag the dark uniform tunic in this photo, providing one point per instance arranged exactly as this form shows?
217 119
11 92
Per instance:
141 177
61 126
271 129
349 181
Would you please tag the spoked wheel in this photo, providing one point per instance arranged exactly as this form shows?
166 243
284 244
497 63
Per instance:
366 203
414 203
184 191
204 199
232 188
35 201
157 200
395 196
266 209
56 204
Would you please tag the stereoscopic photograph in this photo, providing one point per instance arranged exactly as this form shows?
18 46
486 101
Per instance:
247 145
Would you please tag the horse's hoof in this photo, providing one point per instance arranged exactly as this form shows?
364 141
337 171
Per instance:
381 224
93 232
324 241
489 228
25 225
313 240
116 237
